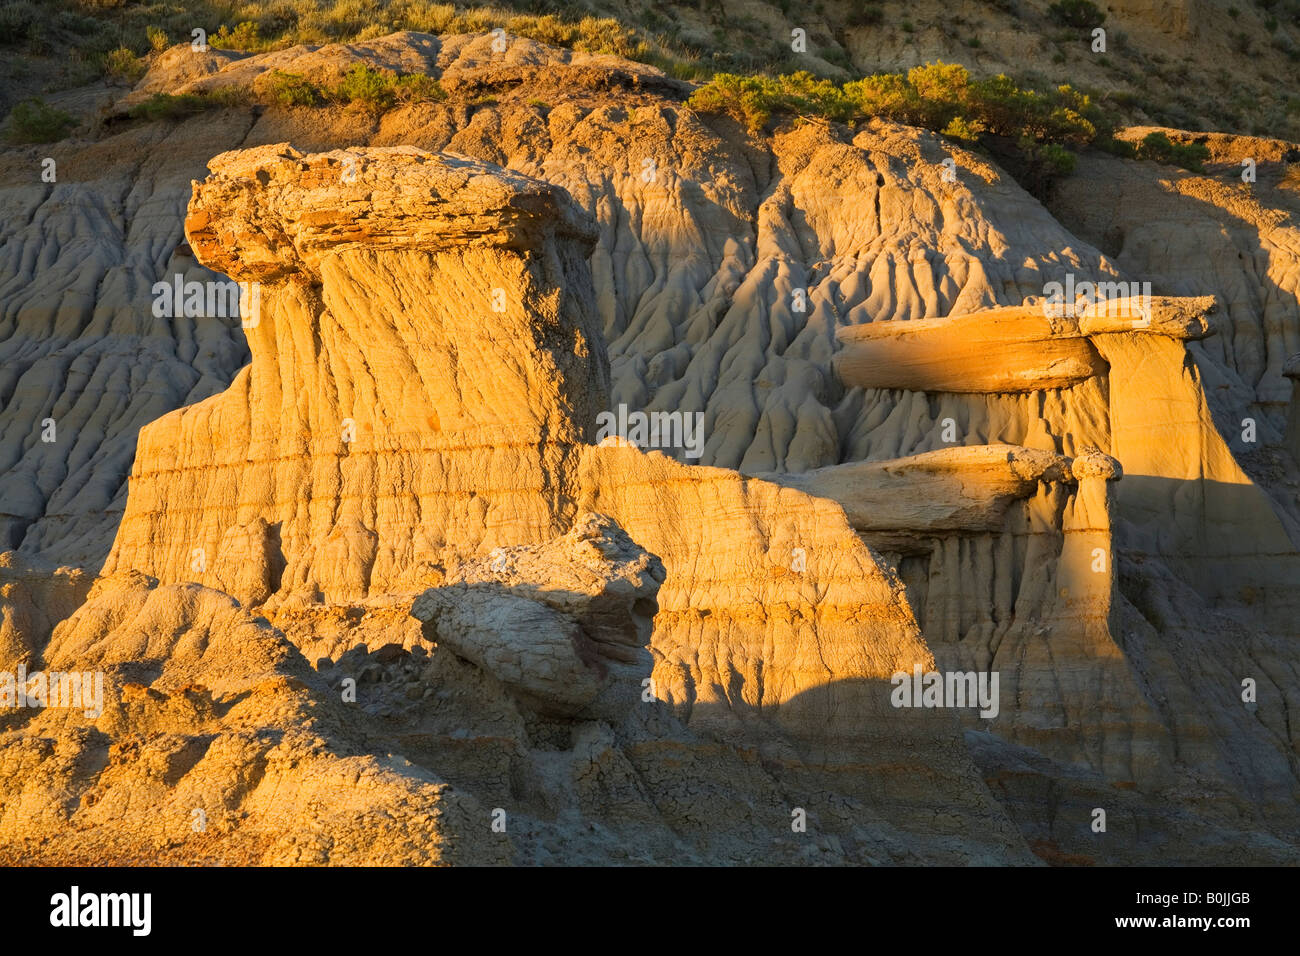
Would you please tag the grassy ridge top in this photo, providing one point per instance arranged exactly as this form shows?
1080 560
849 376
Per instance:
1228 64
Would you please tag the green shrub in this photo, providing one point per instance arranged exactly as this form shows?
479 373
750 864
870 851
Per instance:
1056 160
380 90
122 63
1037 131
964 129
245 37
179 106
604 35
679 69
228 96
279 19
886 94
18 22
1156 146
942 92
1083 14
754 99
162 106
367 86
166 106
158 39
938 96
418 88
1037 166
545 29
292 89
34 121
377 90
1119 147
1063 115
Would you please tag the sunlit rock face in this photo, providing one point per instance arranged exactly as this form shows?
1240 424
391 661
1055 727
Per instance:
326 469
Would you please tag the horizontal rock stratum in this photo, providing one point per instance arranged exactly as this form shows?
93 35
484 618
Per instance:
1016 349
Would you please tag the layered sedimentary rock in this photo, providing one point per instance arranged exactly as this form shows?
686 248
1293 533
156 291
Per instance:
750 645
381 325
695 266
34 598
966 488
728 273
1018 349
1001 350
1044 589
1157 421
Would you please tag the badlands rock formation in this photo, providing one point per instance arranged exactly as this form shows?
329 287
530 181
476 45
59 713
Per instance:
392 557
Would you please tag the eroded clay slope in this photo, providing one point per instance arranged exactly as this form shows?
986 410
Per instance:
516 730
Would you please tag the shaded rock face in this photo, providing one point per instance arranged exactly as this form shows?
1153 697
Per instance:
580 633
1093 528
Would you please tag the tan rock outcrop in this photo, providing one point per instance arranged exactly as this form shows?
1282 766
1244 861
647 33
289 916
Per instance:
34 599
1185 318
562 623
748 642
965 488
1016 349
214 741
1000 350
376 338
